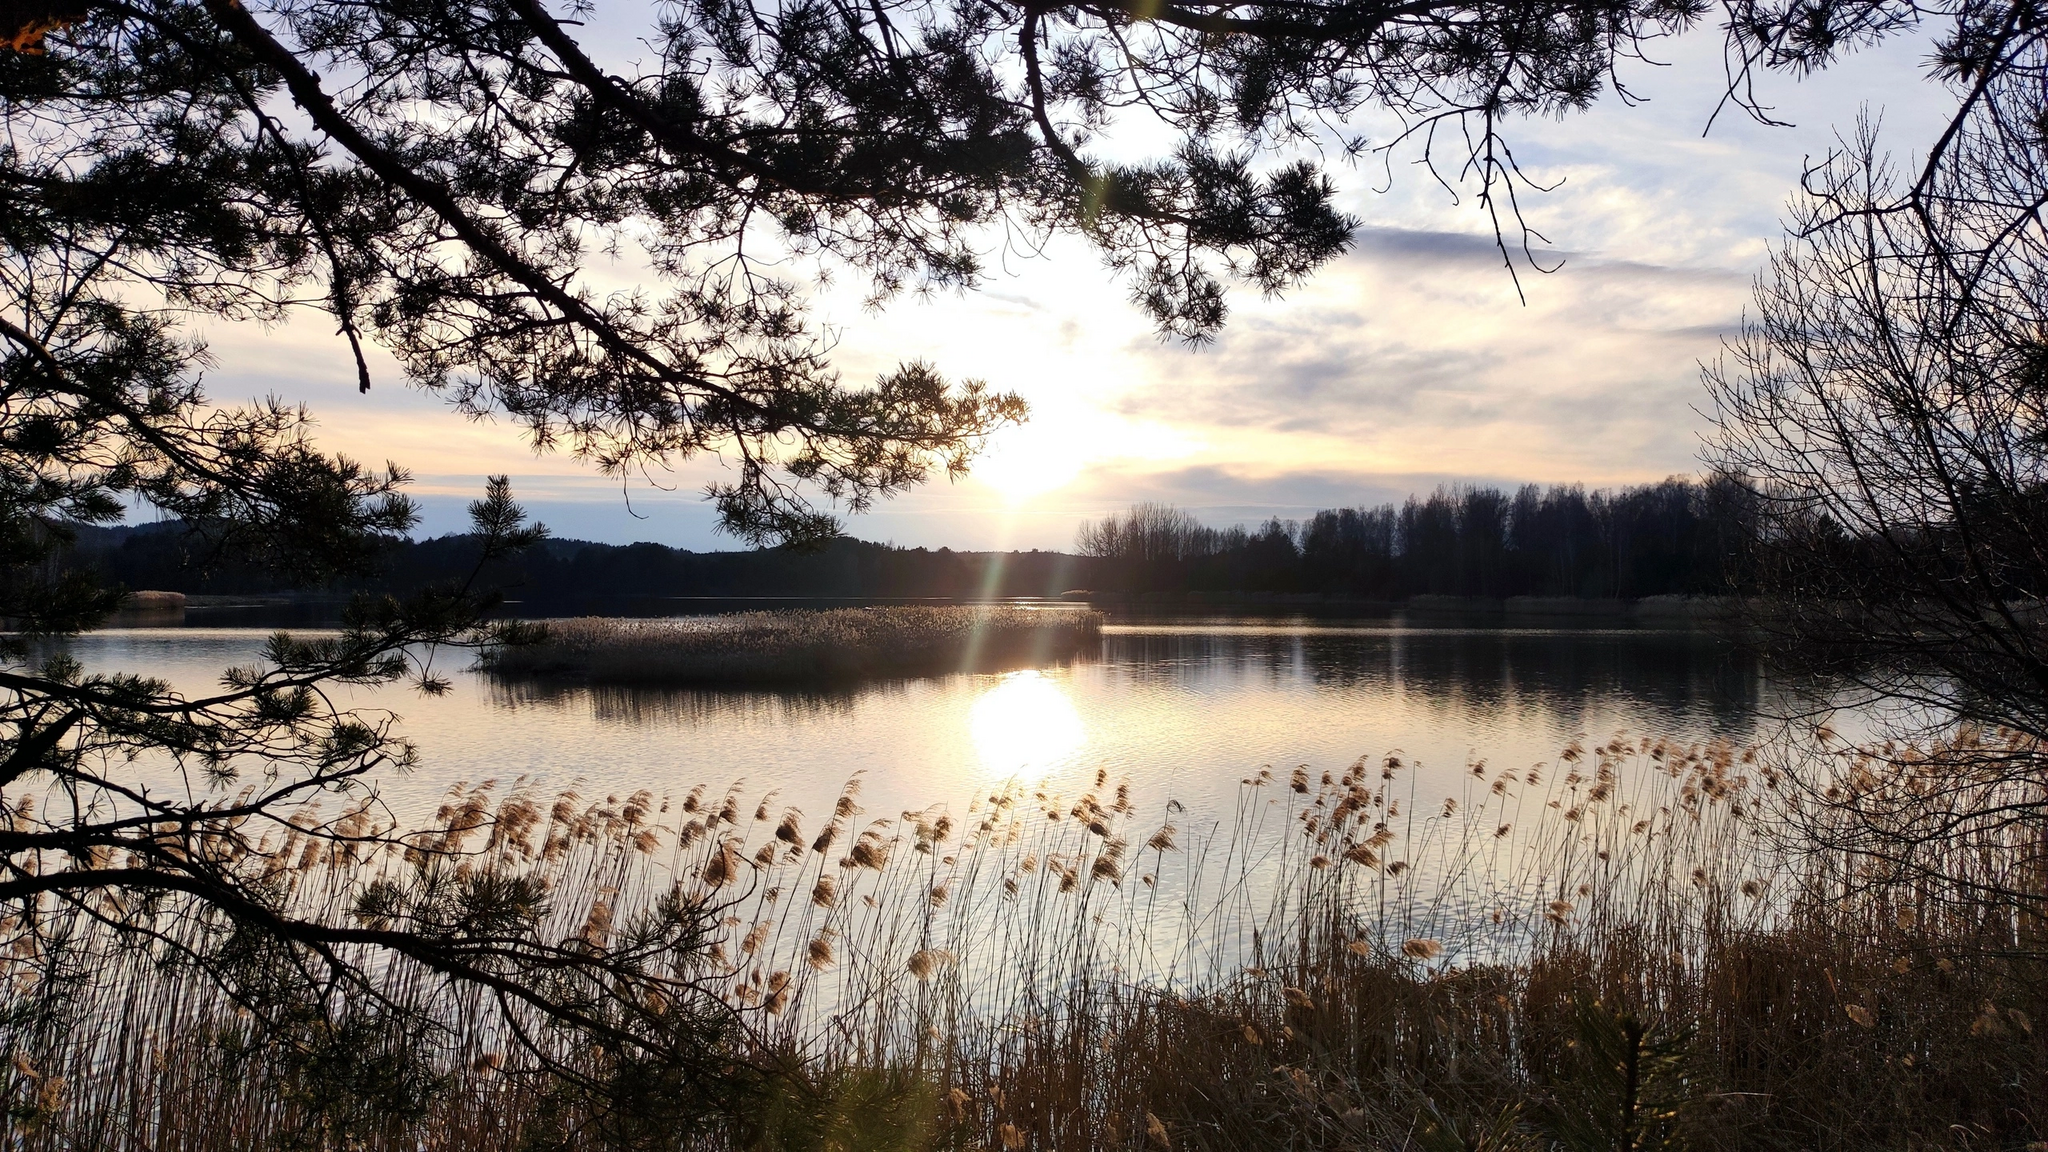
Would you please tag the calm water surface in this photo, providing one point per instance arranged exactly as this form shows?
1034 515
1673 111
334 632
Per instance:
1181 708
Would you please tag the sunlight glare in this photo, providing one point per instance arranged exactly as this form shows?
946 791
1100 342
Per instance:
1024 724
1029 461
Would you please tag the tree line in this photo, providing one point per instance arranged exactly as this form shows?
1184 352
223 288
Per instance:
1676 537
572 576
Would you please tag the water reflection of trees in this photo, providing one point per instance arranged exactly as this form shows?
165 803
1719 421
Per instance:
642 704
1671 677
639 704
1679 680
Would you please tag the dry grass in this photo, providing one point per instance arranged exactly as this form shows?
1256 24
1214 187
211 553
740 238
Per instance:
1613 951
803 646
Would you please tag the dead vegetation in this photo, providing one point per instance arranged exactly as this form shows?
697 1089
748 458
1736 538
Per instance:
1618 950
803 646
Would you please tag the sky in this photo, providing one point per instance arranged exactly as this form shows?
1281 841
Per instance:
1408 363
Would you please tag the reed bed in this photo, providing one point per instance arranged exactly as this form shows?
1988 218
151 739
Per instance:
1617 950
803 646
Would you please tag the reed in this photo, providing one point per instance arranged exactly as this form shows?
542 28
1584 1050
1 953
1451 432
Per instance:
1617 950
802 646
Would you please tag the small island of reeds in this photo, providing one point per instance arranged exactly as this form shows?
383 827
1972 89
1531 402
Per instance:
802 646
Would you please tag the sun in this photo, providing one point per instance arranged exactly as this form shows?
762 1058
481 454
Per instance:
1025 724
1029 461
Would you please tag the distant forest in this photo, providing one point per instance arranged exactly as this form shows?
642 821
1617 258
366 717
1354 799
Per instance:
1679 537
1676 537
570 572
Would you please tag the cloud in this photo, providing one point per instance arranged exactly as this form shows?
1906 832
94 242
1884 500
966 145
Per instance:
1223 496
1411 362
1414 349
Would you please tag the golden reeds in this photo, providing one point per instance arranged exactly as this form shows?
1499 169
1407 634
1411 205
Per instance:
1318 969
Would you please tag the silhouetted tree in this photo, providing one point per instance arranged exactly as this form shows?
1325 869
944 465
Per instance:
1676 537
1349 551
1887 403
138 819
452 171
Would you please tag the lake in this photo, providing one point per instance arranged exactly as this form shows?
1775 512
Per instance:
1181 707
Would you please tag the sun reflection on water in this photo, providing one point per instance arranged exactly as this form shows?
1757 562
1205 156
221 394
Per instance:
1025 724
